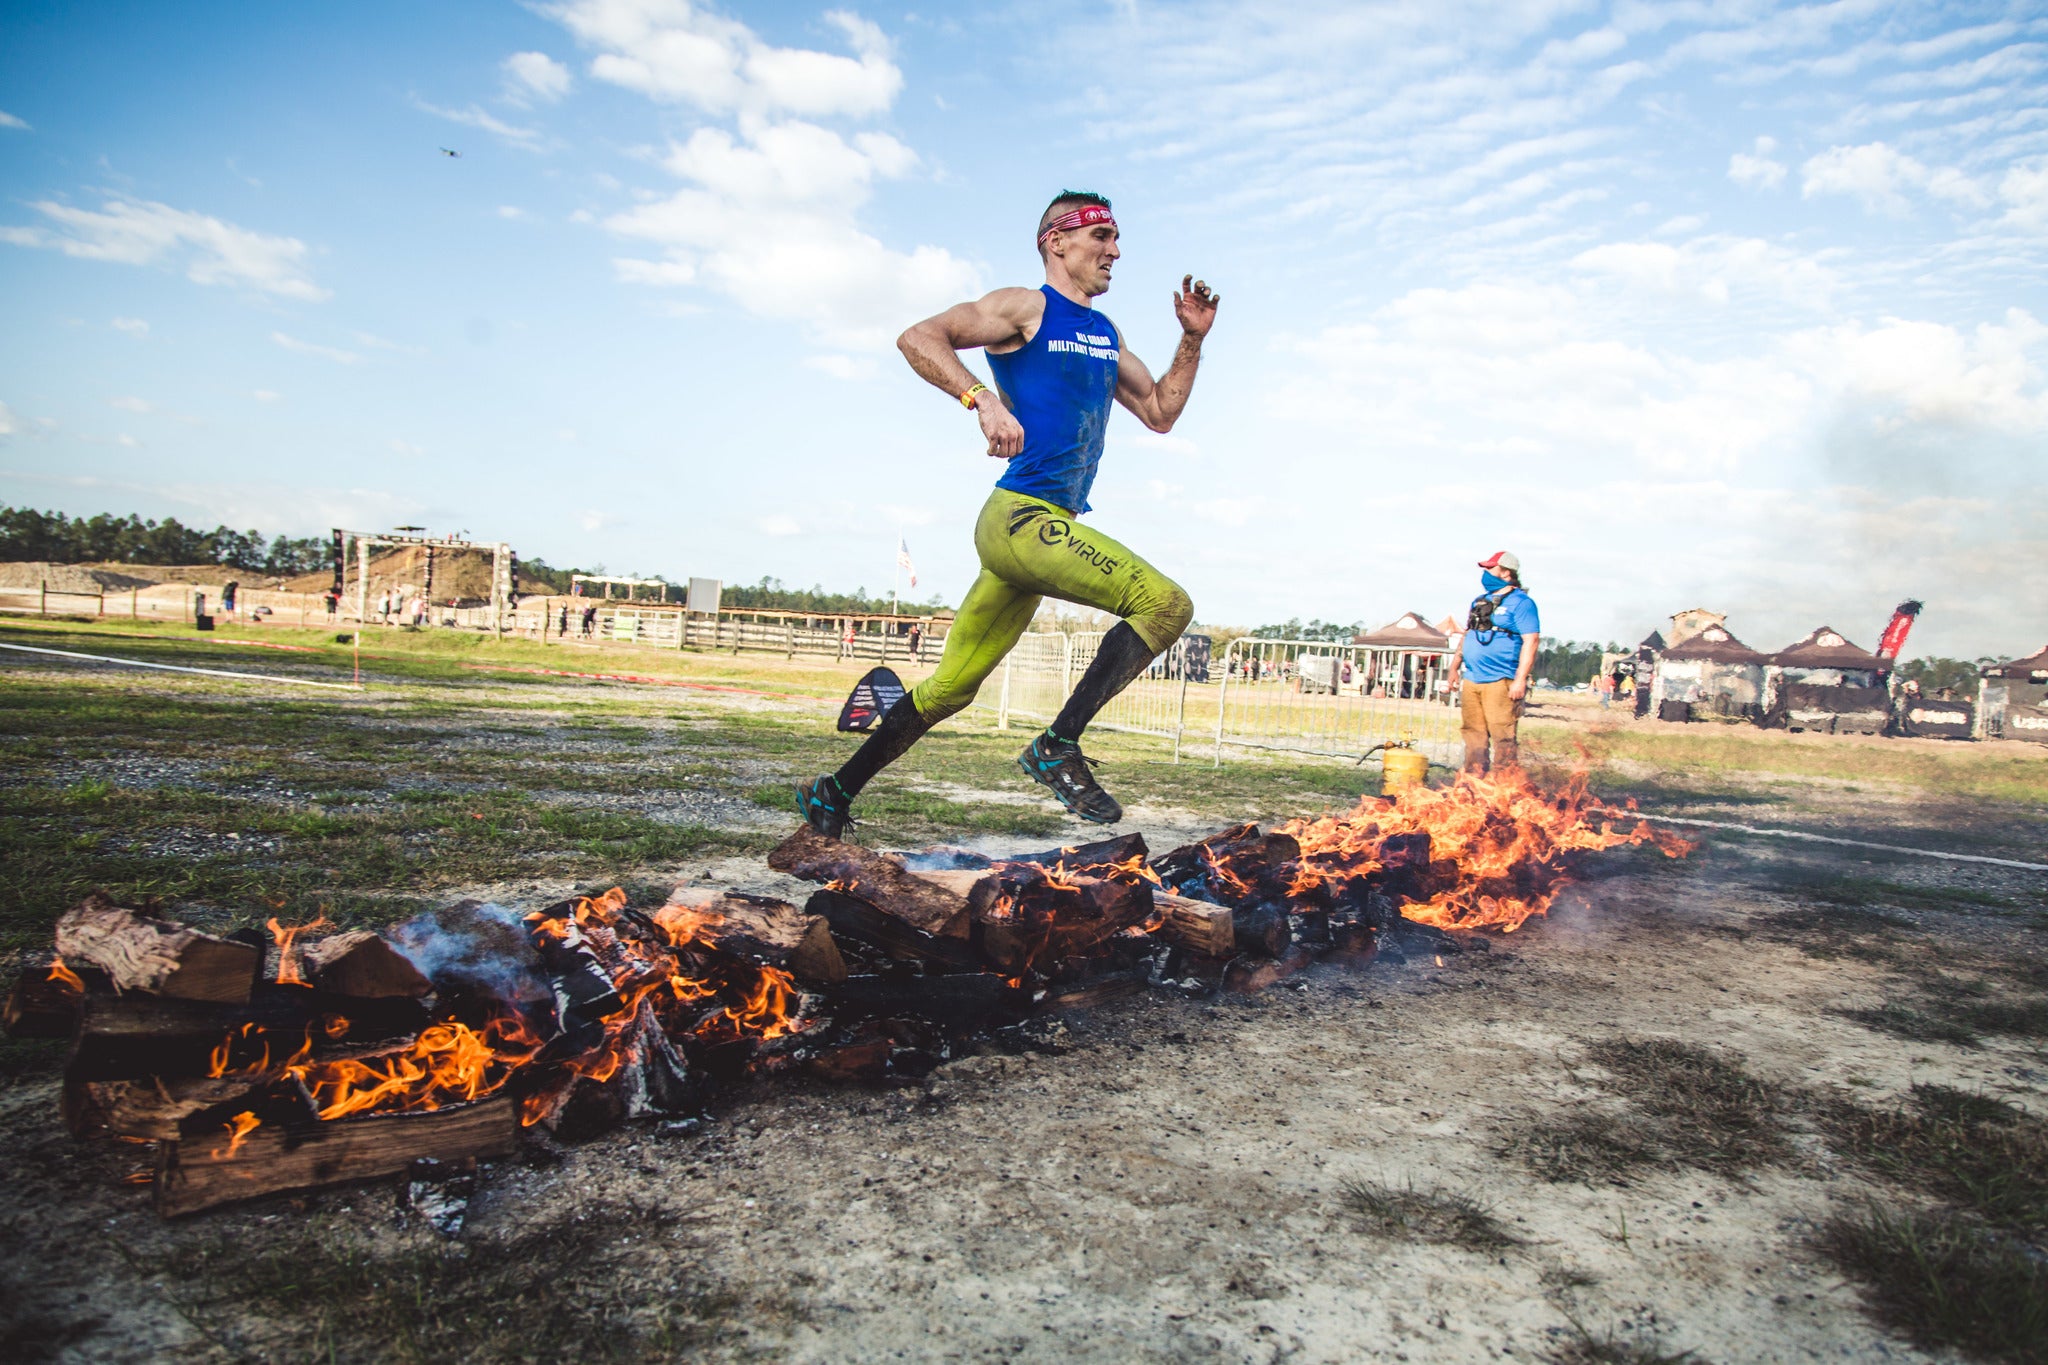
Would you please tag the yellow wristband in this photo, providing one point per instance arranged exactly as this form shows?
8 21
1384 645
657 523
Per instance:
967 398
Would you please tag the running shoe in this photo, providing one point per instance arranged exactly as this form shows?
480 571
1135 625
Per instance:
824 807
1061 767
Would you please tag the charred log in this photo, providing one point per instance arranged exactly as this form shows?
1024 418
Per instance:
760 929
964 1001
126 1036
1197 926
1025 915
852 918
877 878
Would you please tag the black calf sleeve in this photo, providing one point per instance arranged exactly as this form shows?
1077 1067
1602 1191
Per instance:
900 729
1119 659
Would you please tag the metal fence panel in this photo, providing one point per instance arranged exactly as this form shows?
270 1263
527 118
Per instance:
1305 696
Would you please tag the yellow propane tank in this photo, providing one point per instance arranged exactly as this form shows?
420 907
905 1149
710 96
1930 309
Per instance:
1401 768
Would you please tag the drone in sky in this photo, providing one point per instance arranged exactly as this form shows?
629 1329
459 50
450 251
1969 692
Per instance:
448 152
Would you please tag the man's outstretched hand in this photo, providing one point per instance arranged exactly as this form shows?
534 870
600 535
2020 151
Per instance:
1195 306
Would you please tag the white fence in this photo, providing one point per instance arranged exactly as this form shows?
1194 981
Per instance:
1290 696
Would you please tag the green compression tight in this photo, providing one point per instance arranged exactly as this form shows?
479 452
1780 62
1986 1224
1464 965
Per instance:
1030 549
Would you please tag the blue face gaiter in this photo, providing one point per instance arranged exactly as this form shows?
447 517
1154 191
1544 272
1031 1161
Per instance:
1490 583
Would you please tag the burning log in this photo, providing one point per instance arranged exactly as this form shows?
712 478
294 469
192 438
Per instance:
142 952
124 1036
877 878
636 1074
203 1171
1120 850
1024 914
362 964
46 1000
760 929
1197 926
855 920
151 1109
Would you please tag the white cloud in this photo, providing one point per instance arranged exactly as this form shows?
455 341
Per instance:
377 343
1714 269
399 447
770 220
475 117
676 52
1878 175
335 354
131 404
134 327
265 395
511 211
592 520
2025 190
8 120
779 526
535 76
8 424
1757 171
138 232
124 439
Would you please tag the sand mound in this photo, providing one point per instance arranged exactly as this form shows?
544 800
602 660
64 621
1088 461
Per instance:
69 577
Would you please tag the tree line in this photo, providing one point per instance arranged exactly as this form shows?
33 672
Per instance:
26 534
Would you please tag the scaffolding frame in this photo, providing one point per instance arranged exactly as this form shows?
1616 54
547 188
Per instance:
364 541
576 580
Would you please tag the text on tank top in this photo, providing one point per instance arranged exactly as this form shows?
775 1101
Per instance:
1060 385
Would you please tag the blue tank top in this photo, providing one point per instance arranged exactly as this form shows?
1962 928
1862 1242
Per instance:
1060 385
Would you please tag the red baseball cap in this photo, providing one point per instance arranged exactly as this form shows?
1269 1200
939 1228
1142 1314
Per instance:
1502 560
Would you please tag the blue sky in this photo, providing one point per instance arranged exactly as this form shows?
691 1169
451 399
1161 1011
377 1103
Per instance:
1724 304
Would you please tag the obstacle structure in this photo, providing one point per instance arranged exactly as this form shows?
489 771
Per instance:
358 544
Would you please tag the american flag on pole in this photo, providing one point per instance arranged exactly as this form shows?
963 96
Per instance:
903 560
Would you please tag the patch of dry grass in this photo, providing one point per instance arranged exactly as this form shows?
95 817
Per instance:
1433 1214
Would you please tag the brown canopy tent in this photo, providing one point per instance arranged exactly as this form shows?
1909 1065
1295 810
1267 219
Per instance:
1709 675
1826 684
1408 657
2013 698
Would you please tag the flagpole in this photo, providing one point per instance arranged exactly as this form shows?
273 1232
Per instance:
896 576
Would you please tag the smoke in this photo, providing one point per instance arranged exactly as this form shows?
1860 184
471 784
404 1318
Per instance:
474 944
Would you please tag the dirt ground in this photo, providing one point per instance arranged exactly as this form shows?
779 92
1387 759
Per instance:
1174 1186
1614 1135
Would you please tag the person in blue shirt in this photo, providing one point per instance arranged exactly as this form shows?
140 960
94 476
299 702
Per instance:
1494 663
1059 366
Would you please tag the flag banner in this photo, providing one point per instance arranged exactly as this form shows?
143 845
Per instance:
871 699
903 560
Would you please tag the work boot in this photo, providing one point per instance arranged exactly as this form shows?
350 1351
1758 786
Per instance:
1060 766
824 806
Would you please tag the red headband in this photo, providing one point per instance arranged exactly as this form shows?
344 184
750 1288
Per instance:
1088 215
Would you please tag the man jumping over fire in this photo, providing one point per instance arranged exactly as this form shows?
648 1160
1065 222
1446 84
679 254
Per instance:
1057 364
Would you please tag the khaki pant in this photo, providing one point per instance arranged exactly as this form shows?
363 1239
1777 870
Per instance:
1490 714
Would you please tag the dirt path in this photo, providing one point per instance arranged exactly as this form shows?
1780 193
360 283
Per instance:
1182 1183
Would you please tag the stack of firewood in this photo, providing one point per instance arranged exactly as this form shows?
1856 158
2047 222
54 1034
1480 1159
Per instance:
255 1064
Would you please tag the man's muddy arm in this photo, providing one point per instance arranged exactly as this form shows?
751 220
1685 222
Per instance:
1159 403
932 347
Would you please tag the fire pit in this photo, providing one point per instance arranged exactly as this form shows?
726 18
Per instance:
360 1055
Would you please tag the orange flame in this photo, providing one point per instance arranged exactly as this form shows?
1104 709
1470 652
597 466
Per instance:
1505 838
63 975
449 1063
239 1128
287 957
